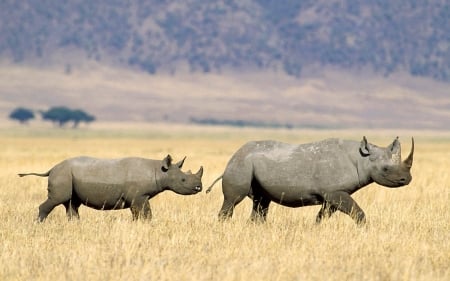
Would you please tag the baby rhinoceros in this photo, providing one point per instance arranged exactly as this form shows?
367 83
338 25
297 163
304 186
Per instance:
110 184
321 173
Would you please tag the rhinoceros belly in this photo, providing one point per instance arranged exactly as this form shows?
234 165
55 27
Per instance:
289 195
301 181
101 196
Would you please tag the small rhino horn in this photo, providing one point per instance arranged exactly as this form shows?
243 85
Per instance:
200 172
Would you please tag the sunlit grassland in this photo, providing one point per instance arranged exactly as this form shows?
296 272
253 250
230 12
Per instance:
407 236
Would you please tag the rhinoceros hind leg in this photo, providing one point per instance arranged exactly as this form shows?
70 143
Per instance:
344 203
260 209
45 209
236 185
72 208
226 212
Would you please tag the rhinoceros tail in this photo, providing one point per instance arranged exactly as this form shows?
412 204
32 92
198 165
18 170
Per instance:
35 174
211 186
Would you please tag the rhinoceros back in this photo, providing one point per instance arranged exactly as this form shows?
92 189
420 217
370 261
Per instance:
105 183
111 171
308 167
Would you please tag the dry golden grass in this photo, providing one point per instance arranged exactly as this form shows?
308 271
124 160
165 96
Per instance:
406 238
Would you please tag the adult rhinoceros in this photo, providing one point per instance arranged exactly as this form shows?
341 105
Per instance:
325 172
108 184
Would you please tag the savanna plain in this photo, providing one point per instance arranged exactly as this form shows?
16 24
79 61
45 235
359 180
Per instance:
407 236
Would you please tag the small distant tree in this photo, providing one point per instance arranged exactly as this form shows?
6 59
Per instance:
79 115
59 115
62 115
22 115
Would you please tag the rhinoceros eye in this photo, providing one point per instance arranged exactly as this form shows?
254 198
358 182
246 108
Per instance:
183 179
385 169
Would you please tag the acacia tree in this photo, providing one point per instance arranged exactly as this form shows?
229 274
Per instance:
79 115
61 115
21 114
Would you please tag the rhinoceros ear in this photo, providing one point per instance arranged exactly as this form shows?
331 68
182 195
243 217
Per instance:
180 164
166 163
364 147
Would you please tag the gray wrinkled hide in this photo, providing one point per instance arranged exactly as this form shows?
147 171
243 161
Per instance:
325 172
108 184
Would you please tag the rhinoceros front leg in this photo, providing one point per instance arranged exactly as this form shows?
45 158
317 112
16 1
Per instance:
325 212
141 209
342 201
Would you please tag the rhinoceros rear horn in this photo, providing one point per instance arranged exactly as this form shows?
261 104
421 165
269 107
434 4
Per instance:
396 151
200 172
409 160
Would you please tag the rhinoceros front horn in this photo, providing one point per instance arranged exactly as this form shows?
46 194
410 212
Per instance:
200 172
408 161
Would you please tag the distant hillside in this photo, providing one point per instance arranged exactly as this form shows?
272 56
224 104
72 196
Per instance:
212 36
332 99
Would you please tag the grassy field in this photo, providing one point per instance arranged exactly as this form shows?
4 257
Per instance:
407 236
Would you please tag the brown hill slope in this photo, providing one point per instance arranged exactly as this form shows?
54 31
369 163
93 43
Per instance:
329 99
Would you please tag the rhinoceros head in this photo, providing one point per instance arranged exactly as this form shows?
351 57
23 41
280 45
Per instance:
386 167
178 181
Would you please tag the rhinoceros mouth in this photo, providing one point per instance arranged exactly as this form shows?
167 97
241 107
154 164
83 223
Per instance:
394 184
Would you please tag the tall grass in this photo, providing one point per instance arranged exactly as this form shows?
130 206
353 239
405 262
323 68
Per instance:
407 236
